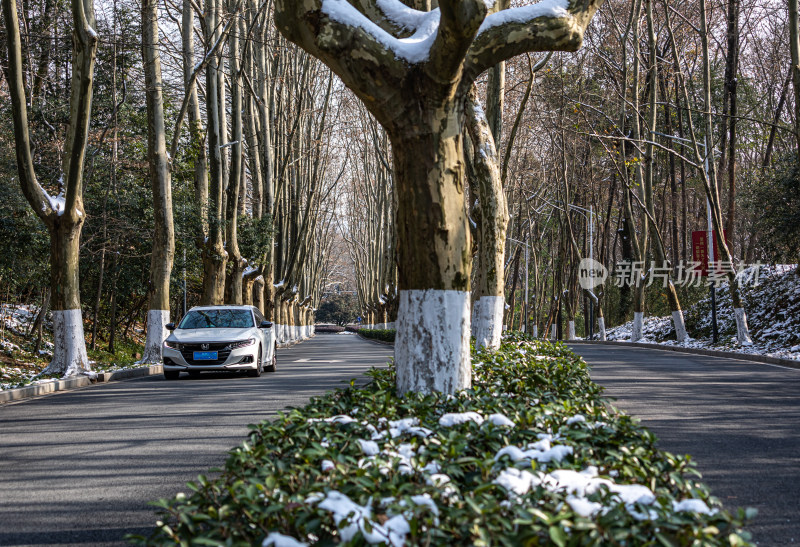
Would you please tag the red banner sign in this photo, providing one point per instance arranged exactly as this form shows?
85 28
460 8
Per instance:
700 249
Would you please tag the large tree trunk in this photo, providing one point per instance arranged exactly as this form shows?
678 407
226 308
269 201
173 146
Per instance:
64 215
69 353
432 345
161 184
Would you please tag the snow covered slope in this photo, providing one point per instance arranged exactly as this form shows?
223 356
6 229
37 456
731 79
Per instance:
773 313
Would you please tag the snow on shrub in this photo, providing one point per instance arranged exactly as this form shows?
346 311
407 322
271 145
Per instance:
532 454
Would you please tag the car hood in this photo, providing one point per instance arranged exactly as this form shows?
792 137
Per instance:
189 336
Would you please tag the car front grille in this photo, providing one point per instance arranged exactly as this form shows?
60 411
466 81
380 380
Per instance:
221 348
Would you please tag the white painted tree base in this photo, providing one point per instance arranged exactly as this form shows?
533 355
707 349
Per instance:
536 331
431 350
554 333
69 351
601 326
156 334
680 326
570 330
638 324
488 317
742 330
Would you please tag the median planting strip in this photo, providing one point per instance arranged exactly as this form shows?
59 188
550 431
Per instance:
532 454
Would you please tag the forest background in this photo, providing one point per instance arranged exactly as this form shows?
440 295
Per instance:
308 214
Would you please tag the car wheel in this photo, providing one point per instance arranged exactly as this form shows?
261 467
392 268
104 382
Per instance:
171 374
273 365
255 373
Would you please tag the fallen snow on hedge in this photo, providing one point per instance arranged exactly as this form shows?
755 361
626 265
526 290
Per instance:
530 455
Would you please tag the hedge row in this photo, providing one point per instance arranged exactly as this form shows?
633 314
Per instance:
531 455
384 335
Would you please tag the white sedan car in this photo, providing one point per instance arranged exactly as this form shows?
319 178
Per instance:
220 338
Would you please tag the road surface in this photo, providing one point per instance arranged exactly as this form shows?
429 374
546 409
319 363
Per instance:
739 420
81 467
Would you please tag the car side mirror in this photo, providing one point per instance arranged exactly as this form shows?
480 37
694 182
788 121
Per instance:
170 326
265 325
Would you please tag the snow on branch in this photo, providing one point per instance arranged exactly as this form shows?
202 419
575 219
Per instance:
402 16
525 14
414 49
549 25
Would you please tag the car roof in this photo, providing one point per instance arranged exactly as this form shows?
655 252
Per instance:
223 307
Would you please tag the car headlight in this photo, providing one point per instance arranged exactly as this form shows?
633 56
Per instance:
242 344
172 344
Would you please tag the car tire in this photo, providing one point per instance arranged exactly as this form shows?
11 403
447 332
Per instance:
171 374
273 366
256 372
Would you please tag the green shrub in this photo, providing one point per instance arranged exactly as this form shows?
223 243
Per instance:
347 469
384 335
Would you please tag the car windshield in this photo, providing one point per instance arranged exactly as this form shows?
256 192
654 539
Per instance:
220 319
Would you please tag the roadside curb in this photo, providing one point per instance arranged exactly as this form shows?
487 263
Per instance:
290 343
790 363
381 342
68 384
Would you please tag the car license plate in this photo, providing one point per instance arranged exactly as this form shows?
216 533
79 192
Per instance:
205 356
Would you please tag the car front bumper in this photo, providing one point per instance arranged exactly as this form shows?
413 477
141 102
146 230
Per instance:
239 359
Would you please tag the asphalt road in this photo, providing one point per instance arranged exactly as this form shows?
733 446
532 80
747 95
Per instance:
81 467
740 422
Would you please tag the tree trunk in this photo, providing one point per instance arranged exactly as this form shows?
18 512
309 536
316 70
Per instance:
63 215
69 353
213 252
163 230
195 120
731 92
712 192
489 284
794 47
432 345
39 322
234 281
112 312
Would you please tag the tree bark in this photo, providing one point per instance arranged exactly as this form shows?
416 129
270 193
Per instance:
794 47
731 93
213 253
163 252
234 279
432 347
490 283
